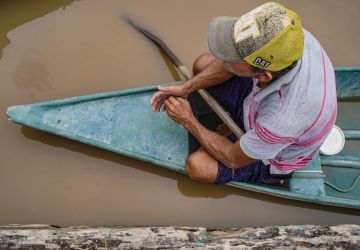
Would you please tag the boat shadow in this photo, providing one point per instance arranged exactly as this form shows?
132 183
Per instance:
186 186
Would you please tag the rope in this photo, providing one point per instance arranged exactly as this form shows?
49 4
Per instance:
344 190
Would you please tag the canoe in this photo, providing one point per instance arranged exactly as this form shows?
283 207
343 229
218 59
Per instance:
123 122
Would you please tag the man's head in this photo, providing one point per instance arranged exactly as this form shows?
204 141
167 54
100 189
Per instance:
269 38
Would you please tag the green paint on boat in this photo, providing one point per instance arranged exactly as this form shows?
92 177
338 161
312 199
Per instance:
123 122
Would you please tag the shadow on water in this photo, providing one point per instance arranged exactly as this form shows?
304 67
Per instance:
186 186
15 13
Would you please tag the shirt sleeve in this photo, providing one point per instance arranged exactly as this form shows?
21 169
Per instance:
262 144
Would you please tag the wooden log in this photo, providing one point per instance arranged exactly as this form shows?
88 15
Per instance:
288 237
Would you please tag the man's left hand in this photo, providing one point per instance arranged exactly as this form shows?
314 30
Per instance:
179 110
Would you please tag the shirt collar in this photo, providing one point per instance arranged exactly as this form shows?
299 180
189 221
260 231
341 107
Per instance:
278 84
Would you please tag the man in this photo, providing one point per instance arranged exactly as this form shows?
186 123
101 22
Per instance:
278 85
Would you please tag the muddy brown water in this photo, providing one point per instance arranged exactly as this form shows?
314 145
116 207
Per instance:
57 49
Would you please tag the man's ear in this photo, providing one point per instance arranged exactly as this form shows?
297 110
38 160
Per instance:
266 76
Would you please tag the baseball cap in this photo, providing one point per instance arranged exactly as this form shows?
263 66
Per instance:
268 37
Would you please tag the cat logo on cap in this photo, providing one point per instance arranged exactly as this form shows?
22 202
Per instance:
261 62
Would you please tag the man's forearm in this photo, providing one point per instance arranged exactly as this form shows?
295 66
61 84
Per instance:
218 146
213 74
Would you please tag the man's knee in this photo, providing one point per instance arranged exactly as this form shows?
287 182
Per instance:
201 62
192 167
200 169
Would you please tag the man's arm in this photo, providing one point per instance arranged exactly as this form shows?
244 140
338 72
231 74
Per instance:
219 147
215 73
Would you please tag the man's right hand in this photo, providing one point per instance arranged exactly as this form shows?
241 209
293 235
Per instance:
158 99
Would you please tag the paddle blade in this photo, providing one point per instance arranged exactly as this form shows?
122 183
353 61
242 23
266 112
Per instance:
157 41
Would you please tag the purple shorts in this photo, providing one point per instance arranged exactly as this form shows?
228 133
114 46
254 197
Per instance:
231 95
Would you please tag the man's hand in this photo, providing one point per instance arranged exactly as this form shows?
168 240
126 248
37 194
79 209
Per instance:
179 110
158 99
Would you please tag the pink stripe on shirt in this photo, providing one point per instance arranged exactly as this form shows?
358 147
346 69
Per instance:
269 137
287 166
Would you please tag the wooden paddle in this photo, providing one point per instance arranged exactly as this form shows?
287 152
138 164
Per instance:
186 73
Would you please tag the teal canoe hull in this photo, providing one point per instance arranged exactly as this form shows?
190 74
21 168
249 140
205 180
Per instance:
123 122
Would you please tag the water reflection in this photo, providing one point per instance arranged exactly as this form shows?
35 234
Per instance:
15 13
32 73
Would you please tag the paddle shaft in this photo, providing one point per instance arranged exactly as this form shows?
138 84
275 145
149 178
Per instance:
186 73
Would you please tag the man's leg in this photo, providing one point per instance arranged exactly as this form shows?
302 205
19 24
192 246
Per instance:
200 108
200 166
201 62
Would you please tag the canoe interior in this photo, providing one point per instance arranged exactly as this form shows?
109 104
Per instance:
348 82
344 175
345 172
123 122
